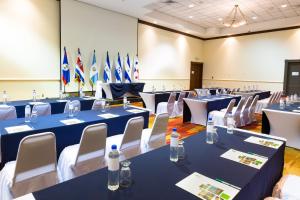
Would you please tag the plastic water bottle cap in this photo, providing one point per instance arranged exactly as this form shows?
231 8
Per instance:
174 129
113 147
210 118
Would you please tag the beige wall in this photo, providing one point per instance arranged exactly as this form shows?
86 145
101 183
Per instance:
29 53
255 59
165 57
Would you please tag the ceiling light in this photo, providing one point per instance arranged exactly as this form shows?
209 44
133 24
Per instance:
191 6
254 17
155 22
187 32
235 18
190 17
220 19
283 5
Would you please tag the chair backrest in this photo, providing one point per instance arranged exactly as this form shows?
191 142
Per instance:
97 105
75 103
92 142
240 105
160 124
271 98
181 96
43 109
133 132
253 104
248 103
230 106
36 156
278 97
7 112
171 102
238 89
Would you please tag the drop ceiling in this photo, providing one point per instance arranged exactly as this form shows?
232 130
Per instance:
203 18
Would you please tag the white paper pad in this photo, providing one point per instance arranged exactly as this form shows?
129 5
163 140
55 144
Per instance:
252 160
26 197
275 144
36 103
61 100
89 98
135 111
71 121
16 129
298 111
4 106
206 188
108 115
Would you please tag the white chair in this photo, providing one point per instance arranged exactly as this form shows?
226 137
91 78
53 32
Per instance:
75 103
85 157
287 188
7 112
34 168
98 104
178 106
236 112
155 137
245 113
167 107
149 100
43 109
252 109
219 117
261 104
128 143
285 124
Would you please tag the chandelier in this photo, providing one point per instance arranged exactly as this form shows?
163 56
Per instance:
235 18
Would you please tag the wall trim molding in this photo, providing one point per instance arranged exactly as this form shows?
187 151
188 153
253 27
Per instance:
29 79
238 80
162 79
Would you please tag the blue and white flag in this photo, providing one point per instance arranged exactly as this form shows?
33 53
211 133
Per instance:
136 72
107 71
94 74
66 73
118 69
127 70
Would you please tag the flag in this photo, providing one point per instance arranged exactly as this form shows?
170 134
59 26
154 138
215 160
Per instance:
136 74
66 73
94 74
127 70
107 71
118 70
79 71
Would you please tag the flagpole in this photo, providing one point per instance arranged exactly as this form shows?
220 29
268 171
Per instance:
78 88
92 89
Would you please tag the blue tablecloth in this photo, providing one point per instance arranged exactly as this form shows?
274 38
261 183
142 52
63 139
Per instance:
65 135
119 89
154 176
265 128
217 104
56 107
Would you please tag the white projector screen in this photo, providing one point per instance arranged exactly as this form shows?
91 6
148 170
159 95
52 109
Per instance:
89 27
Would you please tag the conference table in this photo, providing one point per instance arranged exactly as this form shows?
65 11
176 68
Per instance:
65 134
252 93
118 90
152 99
196 109
57 105
283 122
154 176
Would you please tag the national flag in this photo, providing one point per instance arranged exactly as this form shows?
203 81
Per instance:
94 74
136 73
118 69
66 73
79 70
107 71
127 70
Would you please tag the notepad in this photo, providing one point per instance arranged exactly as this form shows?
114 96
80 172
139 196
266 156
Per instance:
26 197
206 188
16 129
71 121
36 103
249 159
89 98
135 111
298 111
61 100
108 115
275 144
4 106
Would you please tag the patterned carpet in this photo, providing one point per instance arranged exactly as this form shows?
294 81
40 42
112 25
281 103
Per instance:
292 156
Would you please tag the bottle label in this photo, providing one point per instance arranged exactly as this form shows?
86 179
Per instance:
174 142
209 129
113 164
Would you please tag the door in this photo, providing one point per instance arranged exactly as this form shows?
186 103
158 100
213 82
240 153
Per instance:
196 75
292 77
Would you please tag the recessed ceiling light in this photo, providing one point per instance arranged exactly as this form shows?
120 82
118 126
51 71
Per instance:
220 19
190 17
191 5
254 17
155 22
187 32
283 5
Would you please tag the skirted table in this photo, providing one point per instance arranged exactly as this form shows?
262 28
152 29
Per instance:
118 90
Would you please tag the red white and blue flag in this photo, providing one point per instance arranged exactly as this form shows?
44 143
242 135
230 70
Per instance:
79 70
66 73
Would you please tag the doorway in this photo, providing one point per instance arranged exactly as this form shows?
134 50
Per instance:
291 83
196 75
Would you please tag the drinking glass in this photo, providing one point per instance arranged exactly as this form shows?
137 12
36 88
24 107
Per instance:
125 174
34 116
76 110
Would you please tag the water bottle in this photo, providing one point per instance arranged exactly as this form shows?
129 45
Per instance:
4 97
27 113
125 102
174 146
209 131
230 123
81 93
113 169
34 95
60 94
71 108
